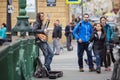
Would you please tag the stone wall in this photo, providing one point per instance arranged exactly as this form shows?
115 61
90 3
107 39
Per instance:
60 11
3 12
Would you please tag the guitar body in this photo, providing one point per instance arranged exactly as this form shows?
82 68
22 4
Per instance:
42 37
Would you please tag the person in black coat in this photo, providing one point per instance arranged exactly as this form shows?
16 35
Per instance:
39 28
69 35
99 46
56 36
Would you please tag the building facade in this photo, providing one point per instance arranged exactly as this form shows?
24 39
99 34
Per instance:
60 11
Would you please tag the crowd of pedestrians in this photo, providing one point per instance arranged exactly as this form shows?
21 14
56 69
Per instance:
102 36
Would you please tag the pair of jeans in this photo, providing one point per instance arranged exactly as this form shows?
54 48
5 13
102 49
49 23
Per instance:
80 49
56 45
110 57
48 54
98 60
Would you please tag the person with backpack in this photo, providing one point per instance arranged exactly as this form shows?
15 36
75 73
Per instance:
110 39
82 32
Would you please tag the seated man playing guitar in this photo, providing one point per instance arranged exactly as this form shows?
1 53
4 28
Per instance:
40 31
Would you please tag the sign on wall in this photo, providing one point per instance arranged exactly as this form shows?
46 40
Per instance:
10 9
10 2
73 1
51 2
31 5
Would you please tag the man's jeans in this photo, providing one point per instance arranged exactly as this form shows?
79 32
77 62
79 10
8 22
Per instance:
47 52
81 47
56 45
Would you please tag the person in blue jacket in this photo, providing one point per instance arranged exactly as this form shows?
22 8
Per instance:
2 33
82 32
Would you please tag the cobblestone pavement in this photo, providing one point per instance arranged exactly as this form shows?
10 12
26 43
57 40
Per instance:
67 62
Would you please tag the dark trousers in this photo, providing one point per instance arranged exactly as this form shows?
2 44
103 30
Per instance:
2 41
103 59
48 54
110 57
68 40
81 47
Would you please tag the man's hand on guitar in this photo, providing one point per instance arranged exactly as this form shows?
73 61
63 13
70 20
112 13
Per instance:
48 17
45 30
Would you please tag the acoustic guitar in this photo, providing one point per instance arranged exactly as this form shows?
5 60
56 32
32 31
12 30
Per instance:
42 36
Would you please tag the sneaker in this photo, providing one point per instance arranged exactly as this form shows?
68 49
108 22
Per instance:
81 70
56 54
106 69
98 70
109 69
91 70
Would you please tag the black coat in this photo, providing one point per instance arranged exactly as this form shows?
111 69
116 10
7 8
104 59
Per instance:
67 30
100 44
57 32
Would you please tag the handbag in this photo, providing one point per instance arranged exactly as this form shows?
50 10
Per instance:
90 46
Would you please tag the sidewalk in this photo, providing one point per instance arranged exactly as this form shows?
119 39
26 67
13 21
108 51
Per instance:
67 62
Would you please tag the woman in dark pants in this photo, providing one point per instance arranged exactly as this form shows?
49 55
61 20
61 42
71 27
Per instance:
110 39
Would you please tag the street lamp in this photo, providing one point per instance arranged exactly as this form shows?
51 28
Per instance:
81 4
22 24
8 21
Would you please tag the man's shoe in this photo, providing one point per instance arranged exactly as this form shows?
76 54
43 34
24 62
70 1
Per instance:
56 54
91 70
81 70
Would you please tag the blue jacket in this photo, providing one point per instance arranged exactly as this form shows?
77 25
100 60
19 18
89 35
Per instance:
3 32
109 32
83 30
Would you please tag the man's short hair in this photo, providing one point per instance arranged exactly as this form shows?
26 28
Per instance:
86 14
58 20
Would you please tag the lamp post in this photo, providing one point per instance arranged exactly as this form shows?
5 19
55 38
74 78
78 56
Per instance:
82 9
22 24
8 21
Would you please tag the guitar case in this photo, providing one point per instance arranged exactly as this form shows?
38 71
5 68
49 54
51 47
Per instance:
42 72
55 74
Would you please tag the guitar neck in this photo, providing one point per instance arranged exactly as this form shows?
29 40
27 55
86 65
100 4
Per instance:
46 24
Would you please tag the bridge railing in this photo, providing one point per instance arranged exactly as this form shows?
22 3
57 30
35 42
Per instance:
17 60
